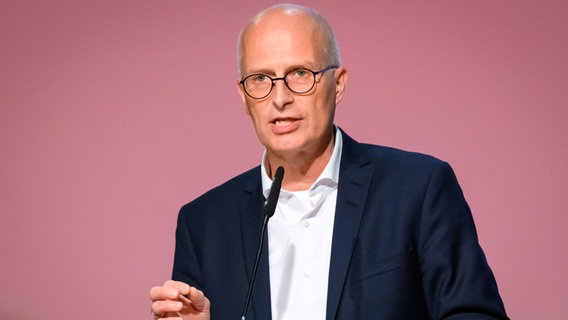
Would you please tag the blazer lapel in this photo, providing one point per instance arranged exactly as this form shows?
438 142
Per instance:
354 179
251 223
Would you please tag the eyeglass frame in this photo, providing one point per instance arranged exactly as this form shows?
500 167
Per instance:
273 80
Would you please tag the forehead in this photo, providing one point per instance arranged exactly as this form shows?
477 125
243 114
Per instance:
280 40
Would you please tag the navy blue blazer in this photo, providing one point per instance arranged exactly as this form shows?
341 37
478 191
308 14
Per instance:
404 243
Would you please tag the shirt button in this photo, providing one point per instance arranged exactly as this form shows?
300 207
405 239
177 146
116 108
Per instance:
306 224
306 275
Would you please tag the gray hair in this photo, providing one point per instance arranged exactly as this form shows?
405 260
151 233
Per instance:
330 50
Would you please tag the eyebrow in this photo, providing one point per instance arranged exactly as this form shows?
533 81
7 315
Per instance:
307 65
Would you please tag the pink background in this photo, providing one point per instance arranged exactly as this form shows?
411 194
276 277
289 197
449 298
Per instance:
115 113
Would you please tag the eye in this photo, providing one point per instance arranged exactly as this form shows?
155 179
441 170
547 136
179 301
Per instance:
300 73
259 78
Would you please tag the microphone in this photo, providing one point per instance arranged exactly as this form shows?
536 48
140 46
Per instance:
268 210
270 205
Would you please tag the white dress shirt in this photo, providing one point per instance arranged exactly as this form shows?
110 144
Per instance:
299 243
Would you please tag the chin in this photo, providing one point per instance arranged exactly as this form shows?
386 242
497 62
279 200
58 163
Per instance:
283 146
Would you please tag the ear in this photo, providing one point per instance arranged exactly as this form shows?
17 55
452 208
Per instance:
243 95
340 83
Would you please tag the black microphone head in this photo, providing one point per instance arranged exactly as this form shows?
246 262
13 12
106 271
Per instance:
279 175
272 200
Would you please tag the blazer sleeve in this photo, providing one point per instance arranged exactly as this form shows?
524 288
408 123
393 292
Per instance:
186 266
457 281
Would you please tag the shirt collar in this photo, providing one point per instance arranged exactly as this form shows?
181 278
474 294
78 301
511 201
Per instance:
329 176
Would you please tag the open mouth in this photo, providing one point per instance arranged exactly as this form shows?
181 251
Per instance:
283 122
284 125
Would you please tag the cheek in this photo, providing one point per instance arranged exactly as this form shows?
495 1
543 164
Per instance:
255 116
324 113
251 109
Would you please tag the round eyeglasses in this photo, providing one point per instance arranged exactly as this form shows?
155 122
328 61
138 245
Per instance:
301 80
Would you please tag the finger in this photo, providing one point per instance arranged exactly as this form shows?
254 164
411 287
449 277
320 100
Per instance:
162 308
198 300
184 300
163 293
182 287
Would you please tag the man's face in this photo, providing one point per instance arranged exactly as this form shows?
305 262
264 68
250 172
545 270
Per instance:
286 123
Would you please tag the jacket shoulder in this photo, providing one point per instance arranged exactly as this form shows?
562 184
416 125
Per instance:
229 191
388 156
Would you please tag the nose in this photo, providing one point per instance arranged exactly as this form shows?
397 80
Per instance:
281 94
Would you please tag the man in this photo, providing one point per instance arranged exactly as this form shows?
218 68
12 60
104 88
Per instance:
360 231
